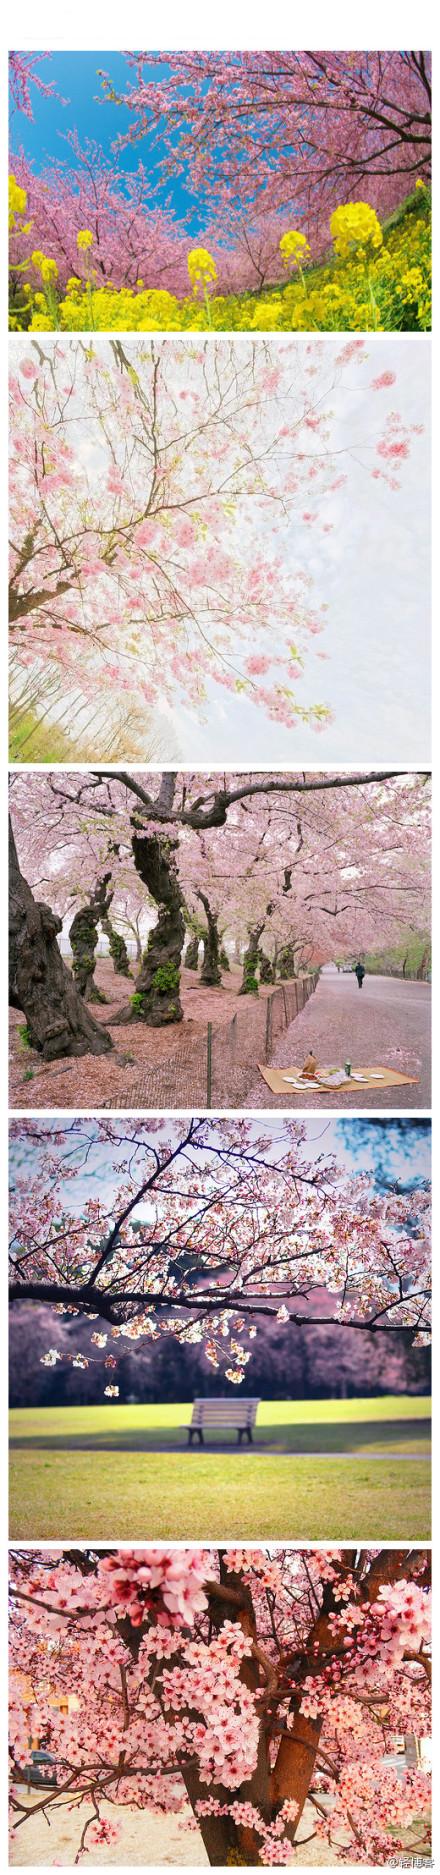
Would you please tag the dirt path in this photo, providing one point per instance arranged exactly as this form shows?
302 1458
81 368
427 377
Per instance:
113 1080
388 1022
144 1839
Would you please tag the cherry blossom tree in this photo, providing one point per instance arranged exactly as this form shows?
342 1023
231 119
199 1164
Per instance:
155 493
246 1684
205 1229
22 75
260 138
292 866
135 240
303 131
57 1020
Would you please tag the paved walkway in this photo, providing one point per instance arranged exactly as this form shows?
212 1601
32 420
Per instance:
384 1022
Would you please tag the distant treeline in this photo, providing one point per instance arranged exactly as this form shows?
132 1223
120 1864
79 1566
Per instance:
287 1363
410 957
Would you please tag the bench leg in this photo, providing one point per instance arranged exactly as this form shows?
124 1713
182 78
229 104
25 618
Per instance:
195 1432
244 1432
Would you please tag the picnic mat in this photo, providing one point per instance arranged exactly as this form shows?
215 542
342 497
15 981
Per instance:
291 1080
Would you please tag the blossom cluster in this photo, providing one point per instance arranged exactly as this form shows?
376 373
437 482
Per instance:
134 1671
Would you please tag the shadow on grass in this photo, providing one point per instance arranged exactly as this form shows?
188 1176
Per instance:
378 1439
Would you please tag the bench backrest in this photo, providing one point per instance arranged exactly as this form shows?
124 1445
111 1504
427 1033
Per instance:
224 1412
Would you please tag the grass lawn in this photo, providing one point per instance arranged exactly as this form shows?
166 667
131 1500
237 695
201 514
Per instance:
127 1495
94 1472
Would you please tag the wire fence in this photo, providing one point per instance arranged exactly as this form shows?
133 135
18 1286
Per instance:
217 1068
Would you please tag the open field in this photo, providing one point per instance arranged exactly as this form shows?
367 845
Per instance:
115 1473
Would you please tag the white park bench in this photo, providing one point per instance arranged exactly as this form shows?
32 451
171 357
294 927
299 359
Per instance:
219 1412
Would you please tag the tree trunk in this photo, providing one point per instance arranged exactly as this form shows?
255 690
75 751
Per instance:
286 961
226 1842
157 996
224 959
266 968
249 983
83 938
118 948
191 958
211 972
58 1022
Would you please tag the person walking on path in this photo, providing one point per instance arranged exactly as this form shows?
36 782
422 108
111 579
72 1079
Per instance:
359 973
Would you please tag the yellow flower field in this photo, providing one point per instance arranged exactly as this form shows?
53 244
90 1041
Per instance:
377 279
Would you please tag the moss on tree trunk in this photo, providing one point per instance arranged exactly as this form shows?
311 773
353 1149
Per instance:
40 985
157 993
191 958
266 968
211 972
249 983
118 948
83 937
286 961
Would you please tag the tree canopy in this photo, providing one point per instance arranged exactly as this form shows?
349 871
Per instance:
161 504
201 1228
245 1683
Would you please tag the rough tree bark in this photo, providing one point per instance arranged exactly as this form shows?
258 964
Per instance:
226 1842
191 958
266 968
286 961
249 983
83 938
40 985
211 972
157 993
224 959
118 948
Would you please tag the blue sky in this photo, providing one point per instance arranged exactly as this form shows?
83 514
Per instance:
74 75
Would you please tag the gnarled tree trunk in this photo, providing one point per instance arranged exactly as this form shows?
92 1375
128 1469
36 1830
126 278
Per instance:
83 938
118 948
157 991
40 985
211 972
191 958
249 983
286 961
224 959
266 968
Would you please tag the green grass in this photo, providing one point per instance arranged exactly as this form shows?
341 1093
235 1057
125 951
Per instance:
31 1421
118 1489
127 1496
30 740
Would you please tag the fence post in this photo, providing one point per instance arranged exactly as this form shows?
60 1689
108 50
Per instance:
268 1029
209 1066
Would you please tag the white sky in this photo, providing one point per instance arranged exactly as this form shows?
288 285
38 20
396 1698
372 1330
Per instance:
373 573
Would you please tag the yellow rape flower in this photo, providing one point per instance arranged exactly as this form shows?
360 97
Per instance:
17 201
294 247
48 269
84 238
354 225
381 282
201 268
